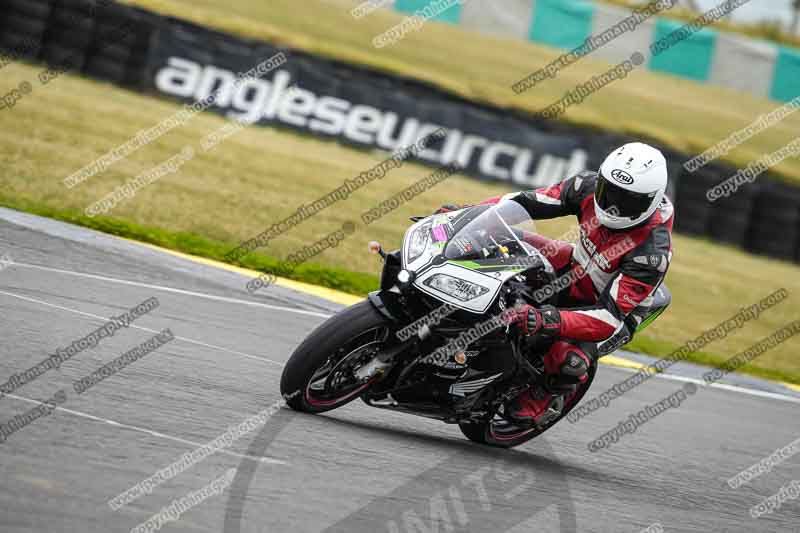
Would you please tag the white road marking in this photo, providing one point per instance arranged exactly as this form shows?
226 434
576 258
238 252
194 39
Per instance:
267 460
174 290
105 319
724 386
734 388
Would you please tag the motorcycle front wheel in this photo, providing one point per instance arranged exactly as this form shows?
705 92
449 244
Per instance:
323 372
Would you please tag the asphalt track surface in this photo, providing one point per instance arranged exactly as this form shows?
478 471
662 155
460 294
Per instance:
356 469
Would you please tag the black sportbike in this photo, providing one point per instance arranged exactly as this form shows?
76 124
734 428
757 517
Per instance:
435 340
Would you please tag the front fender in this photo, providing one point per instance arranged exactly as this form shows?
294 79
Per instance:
377 302
387 304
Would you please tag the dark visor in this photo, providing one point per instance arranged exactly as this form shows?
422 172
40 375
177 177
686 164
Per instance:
627 204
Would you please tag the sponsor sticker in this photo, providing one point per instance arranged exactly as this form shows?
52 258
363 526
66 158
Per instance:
622 176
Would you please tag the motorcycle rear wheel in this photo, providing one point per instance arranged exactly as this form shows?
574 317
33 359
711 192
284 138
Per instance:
488 431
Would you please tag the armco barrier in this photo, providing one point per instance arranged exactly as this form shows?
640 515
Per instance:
371 109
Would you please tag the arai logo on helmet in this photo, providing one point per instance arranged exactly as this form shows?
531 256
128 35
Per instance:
622 176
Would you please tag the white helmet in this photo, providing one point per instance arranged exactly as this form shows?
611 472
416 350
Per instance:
631 184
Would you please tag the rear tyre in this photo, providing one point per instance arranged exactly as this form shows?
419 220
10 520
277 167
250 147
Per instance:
498 431
321 374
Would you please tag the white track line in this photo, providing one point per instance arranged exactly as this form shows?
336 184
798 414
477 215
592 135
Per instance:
267 460
751 392
105 319
724 386
174 290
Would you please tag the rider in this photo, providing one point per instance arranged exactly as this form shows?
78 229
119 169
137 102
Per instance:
616 267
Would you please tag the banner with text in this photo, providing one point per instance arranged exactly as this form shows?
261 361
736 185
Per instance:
356 107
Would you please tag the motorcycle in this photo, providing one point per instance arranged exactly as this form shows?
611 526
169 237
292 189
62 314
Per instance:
436 339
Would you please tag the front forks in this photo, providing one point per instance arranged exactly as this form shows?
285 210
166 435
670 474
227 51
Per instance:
378 366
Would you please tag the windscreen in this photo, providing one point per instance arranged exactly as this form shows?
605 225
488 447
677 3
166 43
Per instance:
501 231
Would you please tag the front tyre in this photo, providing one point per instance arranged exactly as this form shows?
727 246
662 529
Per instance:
323 372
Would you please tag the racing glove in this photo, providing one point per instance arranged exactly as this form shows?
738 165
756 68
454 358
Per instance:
545 321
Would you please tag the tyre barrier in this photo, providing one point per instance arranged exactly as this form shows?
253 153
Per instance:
730 216
34 10
775 222
99 38
22 32
693 216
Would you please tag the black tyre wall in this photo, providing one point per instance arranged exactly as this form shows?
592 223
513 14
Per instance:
775 222
30 8
68 37
731 216
692 208
104 39
22 31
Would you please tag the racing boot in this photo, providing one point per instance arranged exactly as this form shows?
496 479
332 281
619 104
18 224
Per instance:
565 366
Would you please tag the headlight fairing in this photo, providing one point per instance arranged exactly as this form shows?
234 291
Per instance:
457 288
418 242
